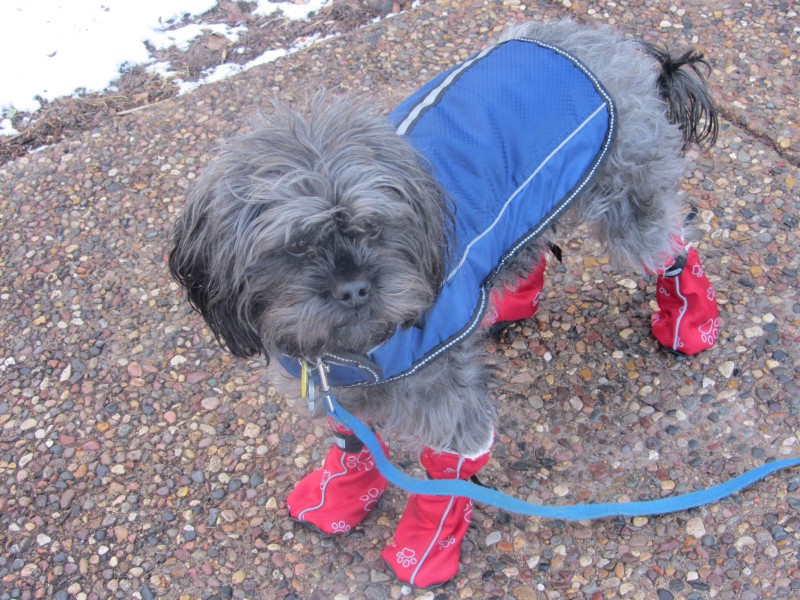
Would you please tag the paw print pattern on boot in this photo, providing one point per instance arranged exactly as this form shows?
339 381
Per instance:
709 331
360 462
426 550
688 319
338 496
340 527
406 558
370 499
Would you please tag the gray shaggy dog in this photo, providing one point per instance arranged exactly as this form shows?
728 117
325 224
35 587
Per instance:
325 234
283 217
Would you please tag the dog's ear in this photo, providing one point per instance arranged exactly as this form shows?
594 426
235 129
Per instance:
199 263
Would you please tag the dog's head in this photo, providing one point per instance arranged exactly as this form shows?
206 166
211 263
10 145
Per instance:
312 235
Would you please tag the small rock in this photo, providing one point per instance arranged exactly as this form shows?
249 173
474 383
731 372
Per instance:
753 332
524 593
238 577
210 403
66 499
27 424
493 538
743 542
251 430
726 369
695 528
378 576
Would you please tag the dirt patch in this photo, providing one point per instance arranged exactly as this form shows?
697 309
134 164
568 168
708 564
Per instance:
138 87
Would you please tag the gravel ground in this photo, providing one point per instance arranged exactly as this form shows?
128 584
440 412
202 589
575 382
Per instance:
137 460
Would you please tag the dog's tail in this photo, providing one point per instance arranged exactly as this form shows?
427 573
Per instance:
682 85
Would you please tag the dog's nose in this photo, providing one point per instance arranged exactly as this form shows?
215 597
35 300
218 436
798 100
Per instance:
352 293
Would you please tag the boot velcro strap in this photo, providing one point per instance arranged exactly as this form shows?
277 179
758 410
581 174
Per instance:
348 442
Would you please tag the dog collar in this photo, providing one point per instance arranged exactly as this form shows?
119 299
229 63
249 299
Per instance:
513 135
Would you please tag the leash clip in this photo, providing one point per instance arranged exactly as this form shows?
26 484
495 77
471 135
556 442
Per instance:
325 387
308 389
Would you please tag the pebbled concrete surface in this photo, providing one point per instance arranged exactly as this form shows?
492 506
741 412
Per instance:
137 460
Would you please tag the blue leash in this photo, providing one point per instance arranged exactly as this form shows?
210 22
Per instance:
577 512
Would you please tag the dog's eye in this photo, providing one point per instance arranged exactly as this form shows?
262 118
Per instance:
297 247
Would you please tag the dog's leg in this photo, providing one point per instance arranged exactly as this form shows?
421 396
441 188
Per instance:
688 318
447 411
427 542
517 301
338 496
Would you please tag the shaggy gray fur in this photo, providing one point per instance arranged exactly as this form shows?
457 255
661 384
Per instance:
323 234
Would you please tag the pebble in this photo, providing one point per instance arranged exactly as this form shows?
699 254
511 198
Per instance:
493 538
726 368
524 593
744 542
210 403
213 516
28 424
695 527
753 332
238 577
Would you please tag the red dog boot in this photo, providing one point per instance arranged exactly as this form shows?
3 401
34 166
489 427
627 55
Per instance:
337 497
515 302
688 319
427 542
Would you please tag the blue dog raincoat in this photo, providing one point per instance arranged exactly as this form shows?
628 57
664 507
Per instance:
513 135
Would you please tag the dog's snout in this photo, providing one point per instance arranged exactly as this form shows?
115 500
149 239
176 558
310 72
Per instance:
352 293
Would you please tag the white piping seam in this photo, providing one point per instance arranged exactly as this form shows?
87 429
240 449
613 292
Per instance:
519 190
684 308
325 489
358 364
435 93
441 525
